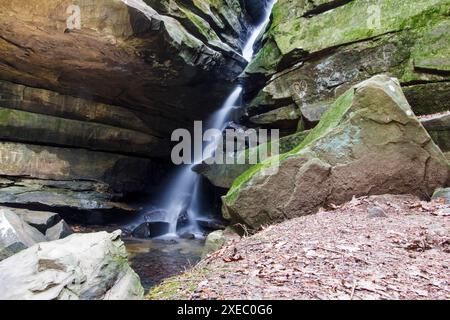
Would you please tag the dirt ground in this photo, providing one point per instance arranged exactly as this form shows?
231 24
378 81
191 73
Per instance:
380 247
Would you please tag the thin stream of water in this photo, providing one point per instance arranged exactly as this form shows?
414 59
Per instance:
183 192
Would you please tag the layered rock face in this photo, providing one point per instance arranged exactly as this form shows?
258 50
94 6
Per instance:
369 142
80 267
316 50
91 90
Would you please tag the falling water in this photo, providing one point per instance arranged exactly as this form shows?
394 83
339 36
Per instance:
184 188
183 192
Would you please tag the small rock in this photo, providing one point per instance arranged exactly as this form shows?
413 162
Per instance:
40 220
377 212
211 224
183 220
443 194
142 231
188 236
58 231
217 239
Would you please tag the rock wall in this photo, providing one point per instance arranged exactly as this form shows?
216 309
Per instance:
95 103
316 50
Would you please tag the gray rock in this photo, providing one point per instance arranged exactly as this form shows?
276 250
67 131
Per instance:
211 224
80 267
40 220
151 230
217 239
438 126
15 234
443 193
187 236
59 231
377 212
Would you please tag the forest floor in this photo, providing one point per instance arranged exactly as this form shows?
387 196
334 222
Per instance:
379 247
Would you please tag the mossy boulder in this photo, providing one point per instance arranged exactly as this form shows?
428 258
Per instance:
80 267
368 143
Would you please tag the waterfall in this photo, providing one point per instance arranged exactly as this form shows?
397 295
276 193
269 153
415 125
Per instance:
182 195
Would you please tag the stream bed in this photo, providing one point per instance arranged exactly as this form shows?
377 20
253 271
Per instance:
156 260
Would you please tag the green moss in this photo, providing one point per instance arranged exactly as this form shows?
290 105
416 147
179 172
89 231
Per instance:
171 288
266 59
351 22
292 32
181 286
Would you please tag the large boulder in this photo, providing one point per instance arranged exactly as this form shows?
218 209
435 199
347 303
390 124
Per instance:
82 266
15 234
368 143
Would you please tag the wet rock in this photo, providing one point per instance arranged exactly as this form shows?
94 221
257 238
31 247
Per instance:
151 230
15 234
256 8
120 173
187 236
76 115
183 220
211 224
80 267
59 231
369 127
142 231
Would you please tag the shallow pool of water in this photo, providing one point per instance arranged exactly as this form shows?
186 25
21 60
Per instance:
156 260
